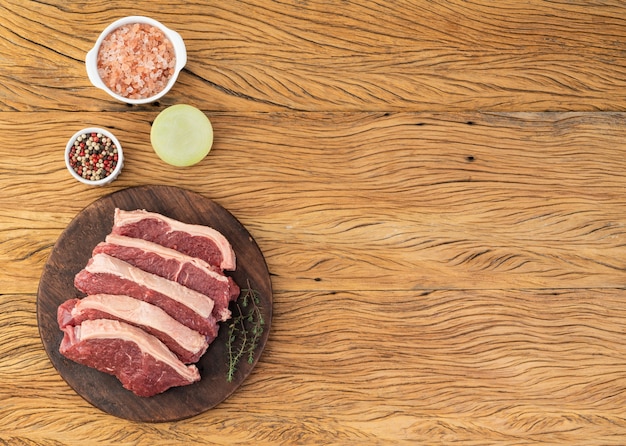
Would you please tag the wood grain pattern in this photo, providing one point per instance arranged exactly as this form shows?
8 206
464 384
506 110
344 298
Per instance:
320 55
438 188
522 200
437 366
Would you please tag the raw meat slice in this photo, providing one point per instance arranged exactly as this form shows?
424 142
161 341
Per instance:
189 271
142 363
107 275
194 240
187 344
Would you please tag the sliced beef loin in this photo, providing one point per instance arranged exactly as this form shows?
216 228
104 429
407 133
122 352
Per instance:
188 271
194 240
187 344
107 275
142 363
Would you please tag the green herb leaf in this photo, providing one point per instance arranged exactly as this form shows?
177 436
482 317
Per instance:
245 330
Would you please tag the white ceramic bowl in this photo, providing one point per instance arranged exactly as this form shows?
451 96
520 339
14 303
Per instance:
120 157
180 52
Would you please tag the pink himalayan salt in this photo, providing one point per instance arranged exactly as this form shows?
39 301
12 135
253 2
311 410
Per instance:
136 61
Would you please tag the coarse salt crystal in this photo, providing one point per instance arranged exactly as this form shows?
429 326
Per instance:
136 61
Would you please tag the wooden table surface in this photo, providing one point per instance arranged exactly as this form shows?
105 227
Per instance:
438 187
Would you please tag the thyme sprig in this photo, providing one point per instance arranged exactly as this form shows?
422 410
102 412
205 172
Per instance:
244 330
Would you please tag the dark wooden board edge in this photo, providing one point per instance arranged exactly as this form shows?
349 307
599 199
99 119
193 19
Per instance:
71 253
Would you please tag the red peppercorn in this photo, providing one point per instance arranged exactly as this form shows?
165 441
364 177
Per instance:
93 157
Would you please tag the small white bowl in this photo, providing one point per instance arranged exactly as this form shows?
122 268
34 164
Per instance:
120 157
180 52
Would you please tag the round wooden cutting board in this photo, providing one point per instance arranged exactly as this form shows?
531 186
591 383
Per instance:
71 253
